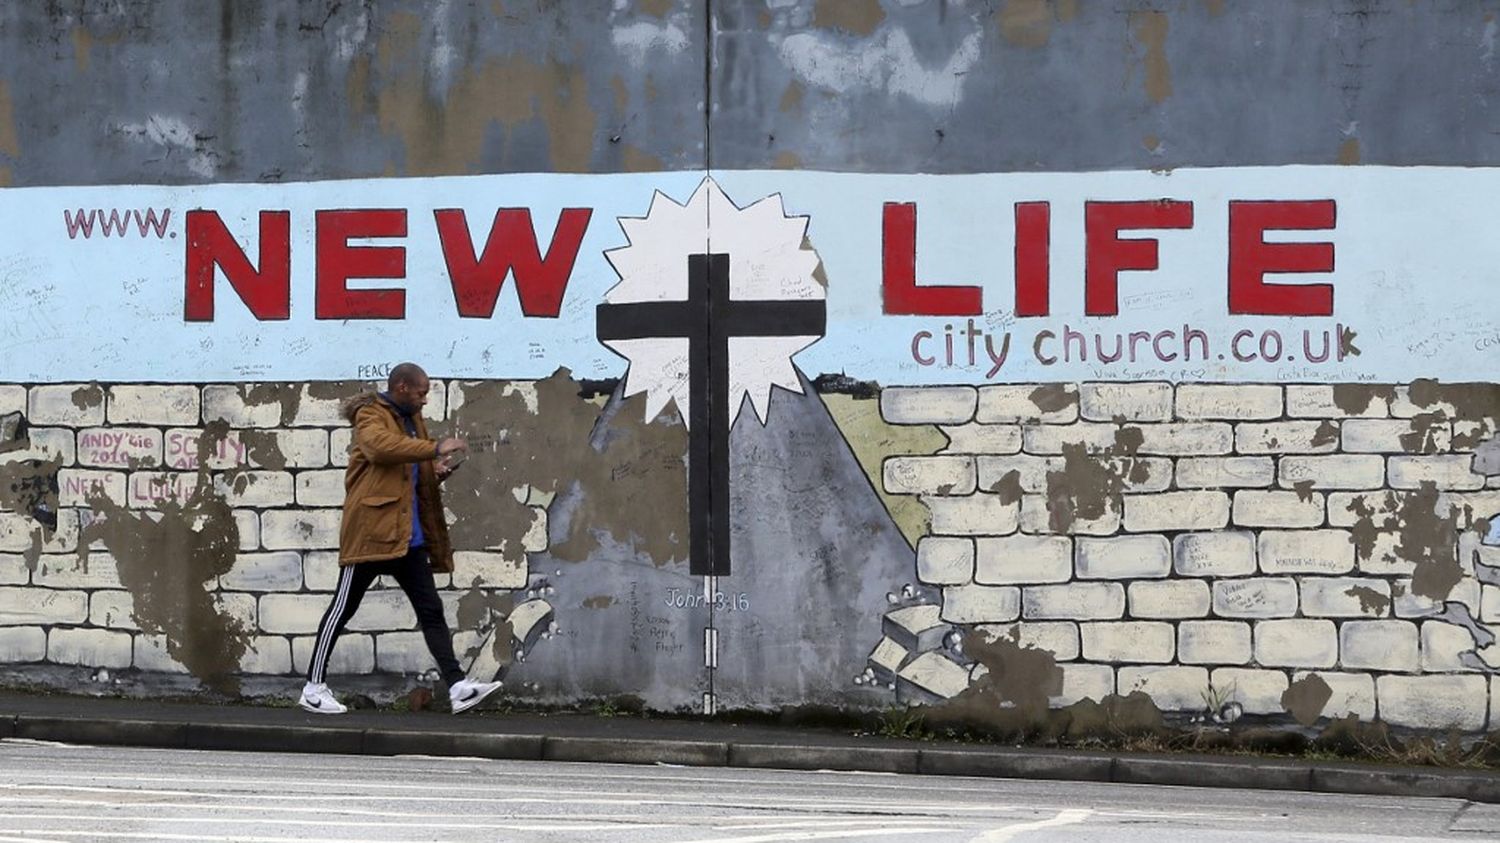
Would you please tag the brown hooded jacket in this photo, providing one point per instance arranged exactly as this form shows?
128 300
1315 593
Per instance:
378 488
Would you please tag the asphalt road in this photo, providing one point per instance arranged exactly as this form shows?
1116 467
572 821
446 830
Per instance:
58 792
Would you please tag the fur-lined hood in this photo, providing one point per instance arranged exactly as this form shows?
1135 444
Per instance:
355 403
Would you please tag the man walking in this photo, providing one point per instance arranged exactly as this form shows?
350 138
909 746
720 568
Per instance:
393 525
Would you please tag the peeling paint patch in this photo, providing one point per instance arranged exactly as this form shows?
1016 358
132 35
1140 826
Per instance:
1354 398
88 397
263 449
1306 697
1090 485
1349 151
1326 434
1150 30
643 41
857 17
872 440
887 63
1370 601
174 133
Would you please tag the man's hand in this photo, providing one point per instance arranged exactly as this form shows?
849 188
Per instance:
450 445
444 469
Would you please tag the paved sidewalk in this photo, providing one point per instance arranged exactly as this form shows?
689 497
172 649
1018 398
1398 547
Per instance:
636 740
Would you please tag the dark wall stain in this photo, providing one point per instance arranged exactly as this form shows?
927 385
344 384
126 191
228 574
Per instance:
88 397
1355 398
263 449
1052 397
1149 28
1370 600
1306 697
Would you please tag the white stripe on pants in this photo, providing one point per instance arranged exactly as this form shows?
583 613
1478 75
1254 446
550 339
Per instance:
330 626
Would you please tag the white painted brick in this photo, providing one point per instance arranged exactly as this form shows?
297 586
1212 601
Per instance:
1379 645
1409 604
149 489
267 655
1213 642
320 569
299 448
1049 439
1168 599
1228 401
320 488
22 644
352 653
1291 437
66 405
928 404
1394 436
247 523
1171 688
163 405
1306 551
535 540
1433 702
1352 693
12 399
1255 508
19 533
294 613
885 659
489 570
227 403
1019 403
340 442
1344 507
257 489
1259 691
1339 471
16 532
89 647
1442 646
1338 597
981 604
1128 641
384 610
112 610
1036 517
1074 601
151 655
1023 559
1172 511
945 561
1084 681
1126 401
13 569
324 409
98 570
983 439
1256 598
403 652
1030 471
1225 472
979 514
50 444
1124 558
1404 407
944 475
75 486
1296 643
1060 638
312 529
1316 401
183 448
1446 471
119 447
264 572
1221 554
936 674
260 449
1186 439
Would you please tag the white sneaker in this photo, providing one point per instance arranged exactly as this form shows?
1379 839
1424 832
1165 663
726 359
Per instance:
319 700
465 694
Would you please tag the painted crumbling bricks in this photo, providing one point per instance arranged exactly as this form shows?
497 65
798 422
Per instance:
1166 538
271 458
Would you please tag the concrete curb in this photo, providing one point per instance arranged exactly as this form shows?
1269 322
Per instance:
983 762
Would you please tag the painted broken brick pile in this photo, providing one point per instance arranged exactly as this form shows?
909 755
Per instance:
194 530
1170 539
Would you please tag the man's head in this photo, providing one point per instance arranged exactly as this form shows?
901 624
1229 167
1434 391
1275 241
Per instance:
407 385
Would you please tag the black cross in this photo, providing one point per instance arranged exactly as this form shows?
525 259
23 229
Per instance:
708 319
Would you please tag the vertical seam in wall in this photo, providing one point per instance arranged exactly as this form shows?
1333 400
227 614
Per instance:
708 86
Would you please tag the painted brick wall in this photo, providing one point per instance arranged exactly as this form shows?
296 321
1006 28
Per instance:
1165 538
138 446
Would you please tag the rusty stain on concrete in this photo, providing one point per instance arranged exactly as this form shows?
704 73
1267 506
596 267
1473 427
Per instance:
445 134
1150 30
1028 23
1089 486
1306 697
1152 143
1371 601
9 143
83 46
5 177
639 161
622 96
601 601
791 98
872 440
656 8
1349 151
787 160
856 17
1214 7
166 564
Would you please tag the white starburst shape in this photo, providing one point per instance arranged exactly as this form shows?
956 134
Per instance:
769 260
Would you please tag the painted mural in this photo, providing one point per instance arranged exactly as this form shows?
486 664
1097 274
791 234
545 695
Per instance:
1201 442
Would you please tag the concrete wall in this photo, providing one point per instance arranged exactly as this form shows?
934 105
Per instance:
1009 546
